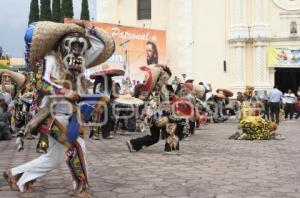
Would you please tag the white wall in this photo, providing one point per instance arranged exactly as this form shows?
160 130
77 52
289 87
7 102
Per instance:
201 37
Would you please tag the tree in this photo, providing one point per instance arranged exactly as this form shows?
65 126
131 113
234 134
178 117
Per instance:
85 13
56 10
67 9
46 14
34 13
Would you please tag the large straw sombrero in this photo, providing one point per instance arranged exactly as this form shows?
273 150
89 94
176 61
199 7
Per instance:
109 47
151 76
46 35
106 70
227 93
127 99
197 90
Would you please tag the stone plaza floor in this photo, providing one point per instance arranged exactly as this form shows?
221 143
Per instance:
210 165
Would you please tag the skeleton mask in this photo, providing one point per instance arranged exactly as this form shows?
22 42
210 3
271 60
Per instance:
73 48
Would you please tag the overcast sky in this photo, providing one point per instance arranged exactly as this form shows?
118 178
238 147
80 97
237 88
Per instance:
13 22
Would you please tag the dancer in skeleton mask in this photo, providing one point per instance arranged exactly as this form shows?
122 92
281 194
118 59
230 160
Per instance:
63 51
156 80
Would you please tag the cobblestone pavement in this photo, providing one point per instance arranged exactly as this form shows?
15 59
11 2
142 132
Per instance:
210 165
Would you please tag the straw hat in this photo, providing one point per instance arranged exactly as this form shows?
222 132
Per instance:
109 47
46 34
227 93
198 90
151 76
220 95
127 99
106 70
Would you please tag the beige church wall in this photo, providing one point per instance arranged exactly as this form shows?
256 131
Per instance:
210 45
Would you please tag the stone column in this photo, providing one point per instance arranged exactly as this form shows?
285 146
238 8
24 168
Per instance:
260 27
260 70
238 27
239 65
184 17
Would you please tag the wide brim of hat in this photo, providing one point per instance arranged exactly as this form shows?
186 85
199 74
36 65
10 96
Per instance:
151 77
108 72
198 90
189 86
220 96
108 50
227 92
127 99
46 35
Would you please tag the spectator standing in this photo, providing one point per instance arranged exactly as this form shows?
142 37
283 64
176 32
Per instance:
265 102
275 97
290 100
255 97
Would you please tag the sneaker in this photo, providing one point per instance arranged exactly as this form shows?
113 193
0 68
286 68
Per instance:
129 145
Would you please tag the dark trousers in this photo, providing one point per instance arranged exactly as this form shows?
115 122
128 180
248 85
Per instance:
275 108
289 109
192 127
107 127
163 133
298 115
4 131
267 111
153 138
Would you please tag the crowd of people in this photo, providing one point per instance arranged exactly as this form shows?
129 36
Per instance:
54 105
274 105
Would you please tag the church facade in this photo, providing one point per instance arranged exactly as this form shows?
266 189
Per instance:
228 43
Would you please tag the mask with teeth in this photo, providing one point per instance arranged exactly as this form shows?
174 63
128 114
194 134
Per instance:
73 48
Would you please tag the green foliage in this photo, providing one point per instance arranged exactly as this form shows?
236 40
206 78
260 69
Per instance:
4 66
46 14
34 13
56 10
85 13
67 9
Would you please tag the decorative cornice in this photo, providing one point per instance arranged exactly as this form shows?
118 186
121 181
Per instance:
290 5
239 32
264 39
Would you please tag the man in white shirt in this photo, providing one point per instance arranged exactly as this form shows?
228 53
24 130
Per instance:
275 97
290 100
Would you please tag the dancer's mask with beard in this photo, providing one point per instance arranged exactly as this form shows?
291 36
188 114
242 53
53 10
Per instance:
6 82
73 48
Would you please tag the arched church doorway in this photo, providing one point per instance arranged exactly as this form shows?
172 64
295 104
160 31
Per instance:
287 78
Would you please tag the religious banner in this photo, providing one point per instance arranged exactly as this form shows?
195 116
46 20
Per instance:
131 43
283 57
